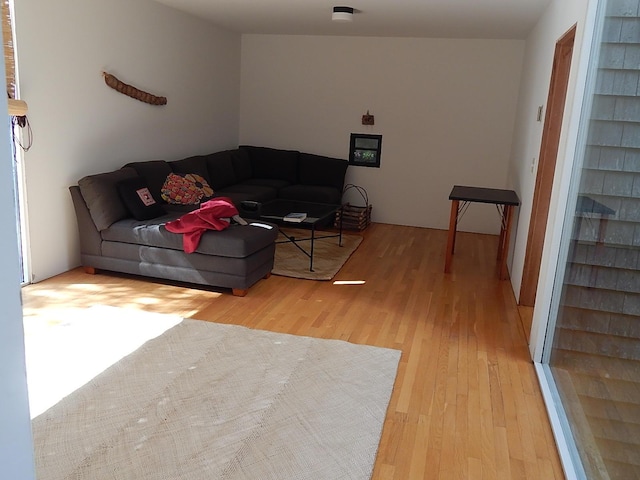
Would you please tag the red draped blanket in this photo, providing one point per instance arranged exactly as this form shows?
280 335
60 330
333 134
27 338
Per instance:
212 215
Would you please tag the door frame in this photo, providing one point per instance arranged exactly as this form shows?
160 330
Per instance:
546 166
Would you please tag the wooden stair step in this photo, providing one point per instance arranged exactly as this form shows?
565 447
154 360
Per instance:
600 322
606 389
622 470
621 452
628 413
598 344
597 365
626 434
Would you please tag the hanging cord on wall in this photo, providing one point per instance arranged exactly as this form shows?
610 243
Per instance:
22 122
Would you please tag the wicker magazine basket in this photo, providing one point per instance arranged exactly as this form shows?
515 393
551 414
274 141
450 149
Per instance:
355 217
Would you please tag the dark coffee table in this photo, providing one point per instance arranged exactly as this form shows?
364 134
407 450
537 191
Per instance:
318 215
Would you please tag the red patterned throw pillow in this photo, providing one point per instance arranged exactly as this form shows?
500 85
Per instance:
185 189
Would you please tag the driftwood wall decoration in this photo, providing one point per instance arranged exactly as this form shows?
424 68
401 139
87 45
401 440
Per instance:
131 91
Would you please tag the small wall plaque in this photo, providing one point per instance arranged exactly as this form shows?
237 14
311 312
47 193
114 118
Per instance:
367 119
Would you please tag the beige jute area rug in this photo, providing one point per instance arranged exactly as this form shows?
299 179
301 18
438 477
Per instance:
328 256
205 401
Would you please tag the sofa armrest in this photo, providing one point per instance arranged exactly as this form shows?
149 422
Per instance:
90 239
322 171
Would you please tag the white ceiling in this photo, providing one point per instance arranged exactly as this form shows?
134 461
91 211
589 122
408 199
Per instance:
384 18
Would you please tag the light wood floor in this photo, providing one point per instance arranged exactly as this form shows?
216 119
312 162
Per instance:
466 402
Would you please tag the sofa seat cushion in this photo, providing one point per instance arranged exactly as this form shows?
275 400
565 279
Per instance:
237 241
311 193
181 209
238 198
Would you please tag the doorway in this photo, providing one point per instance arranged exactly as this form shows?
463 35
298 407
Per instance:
546 166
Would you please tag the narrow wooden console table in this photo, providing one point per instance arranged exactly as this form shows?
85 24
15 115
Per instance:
504 200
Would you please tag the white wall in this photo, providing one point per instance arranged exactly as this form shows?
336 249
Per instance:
559 17
81 126
16 447
445 108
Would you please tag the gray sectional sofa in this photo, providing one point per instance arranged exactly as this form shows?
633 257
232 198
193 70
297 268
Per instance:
118 236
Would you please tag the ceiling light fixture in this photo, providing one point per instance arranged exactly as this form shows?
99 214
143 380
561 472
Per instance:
342 14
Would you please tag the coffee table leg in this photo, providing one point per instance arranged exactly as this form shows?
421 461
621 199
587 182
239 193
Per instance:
313 235
341 217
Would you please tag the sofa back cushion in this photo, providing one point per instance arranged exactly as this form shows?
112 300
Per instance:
273 163
241 164
197 165
220 168
322 171
154 172
100 193
138 200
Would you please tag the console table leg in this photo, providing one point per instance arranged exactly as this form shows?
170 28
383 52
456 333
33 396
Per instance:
451 239
503 226
503 247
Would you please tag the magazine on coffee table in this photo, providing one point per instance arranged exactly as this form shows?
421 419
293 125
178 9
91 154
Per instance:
295 217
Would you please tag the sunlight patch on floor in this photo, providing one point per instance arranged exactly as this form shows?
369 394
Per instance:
157 297
67 349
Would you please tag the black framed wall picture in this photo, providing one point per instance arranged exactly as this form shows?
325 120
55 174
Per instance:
365 150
